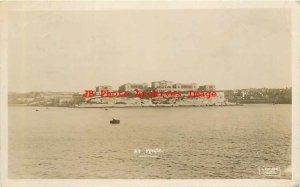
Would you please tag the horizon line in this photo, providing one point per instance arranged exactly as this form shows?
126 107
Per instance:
286 87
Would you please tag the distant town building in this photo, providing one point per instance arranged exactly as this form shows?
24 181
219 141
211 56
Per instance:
260 95
162 85
207 88
130 87
65 99
104 87
56 95
184 87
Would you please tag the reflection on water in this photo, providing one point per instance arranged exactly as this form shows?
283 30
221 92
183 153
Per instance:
185 143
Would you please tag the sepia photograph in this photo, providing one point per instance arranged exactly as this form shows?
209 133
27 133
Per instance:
149 93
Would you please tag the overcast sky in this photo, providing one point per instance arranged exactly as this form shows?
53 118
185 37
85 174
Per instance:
78 50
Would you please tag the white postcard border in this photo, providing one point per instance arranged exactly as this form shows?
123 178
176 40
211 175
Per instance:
5 7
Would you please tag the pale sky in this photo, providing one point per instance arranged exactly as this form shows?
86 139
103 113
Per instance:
78 50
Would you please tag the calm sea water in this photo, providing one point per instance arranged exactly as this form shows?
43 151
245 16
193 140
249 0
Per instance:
185 142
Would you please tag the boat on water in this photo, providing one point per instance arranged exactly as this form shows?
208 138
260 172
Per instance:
115 121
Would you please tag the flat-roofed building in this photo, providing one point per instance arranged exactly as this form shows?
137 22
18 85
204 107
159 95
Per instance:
103 87
130 87
207 88
55 95
162 85
184 87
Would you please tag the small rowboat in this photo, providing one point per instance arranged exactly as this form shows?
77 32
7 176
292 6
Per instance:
114 121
